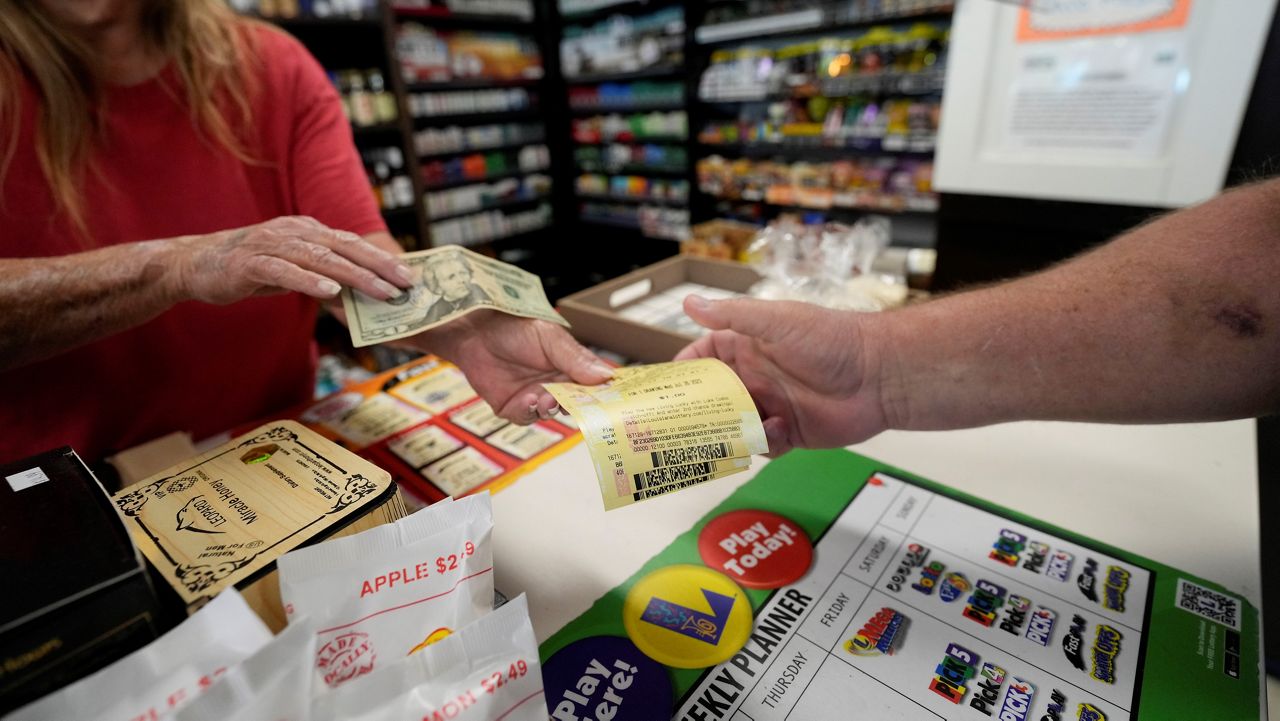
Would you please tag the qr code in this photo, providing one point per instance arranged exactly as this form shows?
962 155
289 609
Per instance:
1209 604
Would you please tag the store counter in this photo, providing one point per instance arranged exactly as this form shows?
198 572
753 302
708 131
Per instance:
1184 495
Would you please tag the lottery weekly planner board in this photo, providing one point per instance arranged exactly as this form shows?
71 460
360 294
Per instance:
1145 642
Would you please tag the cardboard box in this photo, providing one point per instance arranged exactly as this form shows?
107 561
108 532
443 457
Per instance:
77 593
593 313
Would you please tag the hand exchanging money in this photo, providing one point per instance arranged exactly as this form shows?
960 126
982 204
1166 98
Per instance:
507 359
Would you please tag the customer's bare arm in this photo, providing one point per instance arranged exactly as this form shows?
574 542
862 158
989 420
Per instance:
1178 320
50 305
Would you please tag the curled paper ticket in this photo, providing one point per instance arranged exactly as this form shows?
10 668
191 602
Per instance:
450 282
658 428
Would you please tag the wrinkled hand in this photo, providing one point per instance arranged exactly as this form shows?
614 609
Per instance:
292 253
507 359
804 365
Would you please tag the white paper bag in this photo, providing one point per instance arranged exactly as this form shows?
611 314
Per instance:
160 678
378 596
487 671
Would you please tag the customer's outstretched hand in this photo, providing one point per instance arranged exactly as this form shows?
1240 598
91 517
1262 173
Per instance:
807 368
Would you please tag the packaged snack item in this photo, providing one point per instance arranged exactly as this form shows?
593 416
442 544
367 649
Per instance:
484 672
273 684
161 677
381 595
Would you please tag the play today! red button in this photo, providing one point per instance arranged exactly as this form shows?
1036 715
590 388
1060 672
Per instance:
758 549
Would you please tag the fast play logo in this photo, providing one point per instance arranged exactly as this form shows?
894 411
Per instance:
1106 646
1087 581
879 635
1073 642
1114 587
954 586
915 557
1017 700
1040 629
951 677
988 690
987 598
1056 708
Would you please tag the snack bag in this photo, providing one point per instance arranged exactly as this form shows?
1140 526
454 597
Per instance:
485 672
164 675
273 684
378 596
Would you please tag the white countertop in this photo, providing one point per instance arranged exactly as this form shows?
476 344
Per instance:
1183 495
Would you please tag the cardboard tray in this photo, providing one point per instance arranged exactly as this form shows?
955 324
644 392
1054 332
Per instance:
593 312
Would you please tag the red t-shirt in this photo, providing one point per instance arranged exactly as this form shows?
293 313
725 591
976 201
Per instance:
197 367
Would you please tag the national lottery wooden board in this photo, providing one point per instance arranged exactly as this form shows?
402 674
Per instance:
926 603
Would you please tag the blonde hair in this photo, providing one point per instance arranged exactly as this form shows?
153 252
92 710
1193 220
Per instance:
209 46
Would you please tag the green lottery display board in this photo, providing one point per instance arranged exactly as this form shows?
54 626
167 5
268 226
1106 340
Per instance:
921 602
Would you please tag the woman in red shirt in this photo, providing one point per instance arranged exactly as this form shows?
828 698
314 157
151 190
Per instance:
169 172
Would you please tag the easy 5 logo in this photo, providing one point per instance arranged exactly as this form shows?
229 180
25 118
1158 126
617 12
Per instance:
1089 712
1017 700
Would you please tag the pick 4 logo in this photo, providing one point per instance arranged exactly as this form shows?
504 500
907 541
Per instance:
879 635
987 598
1113 589
1073 642
1060 566
952 675
984 697
1015 611
1089 712
1106 646
1040 629
1087 581
1017 700
953 586
916 554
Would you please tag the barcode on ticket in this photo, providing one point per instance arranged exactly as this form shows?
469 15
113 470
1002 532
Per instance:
693 454
674 474
658 490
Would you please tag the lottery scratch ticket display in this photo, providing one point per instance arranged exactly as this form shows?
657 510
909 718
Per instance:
216 520
659 428
922 602
425 424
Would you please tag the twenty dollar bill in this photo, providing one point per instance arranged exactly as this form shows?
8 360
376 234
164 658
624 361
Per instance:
450 282
658 428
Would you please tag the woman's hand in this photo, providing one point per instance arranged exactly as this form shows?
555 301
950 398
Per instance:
507 359
808 368
291 253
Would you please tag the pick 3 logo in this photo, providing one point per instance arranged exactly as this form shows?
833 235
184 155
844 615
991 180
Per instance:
879 635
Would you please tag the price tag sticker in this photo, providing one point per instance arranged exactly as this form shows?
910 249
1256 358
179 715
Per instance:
26 479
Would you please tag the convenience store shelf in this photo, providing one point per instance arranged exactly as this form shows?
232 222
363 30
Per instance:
641 170
631 199
503 204
821 150
661 71
471 84
811 20
477 117
516 173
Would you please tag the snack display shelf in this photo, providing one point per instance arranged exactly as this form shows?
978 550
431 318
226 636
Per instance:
670 202
477 116
437 154
823 19
884 205
658 71
822 148
513 173
641 170
472 84
502 204
650 140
